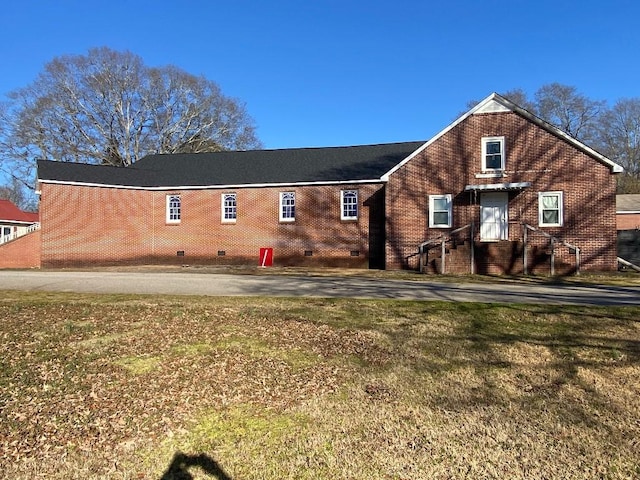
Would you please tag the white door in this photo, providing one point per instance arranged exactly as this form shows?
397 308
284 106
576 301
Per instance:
493 216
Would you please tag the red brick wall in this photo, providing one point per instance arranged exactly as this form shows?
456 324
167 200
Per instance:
89 225
628 221
23 252
532 155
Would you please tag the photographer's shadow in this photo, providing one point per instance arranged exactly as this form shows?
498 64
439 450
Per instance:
181 463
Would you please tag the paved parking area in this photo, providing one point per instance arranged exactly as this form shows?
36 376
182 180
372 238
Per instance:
177 283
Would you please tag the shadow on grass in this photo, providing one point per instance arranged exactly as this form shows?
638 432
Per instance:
553 360
575 343
181 464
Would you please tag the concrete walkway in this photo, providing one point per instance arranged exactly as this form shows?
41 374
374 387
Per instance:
314 286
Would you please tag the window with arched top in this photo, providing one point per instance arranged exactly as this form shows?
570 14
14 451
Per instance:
229 208
174 209
349 205
287 206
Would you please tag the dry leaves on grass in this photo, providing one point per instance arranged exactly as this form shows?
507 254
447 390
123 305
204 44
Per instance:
92 387
82 378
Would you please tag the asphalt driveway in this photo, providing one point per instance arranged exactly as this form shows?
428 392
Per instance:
176 283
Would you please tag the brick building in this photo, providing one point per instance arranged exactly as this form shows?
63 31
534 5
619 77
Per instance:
628 211
19 237
371 206
14 222
628 222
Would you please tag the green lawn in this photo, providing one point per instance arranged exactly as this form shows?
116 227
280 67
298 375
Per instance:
150 387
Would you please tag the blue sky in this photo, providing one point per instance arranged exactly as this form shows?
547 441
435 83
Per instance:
327 73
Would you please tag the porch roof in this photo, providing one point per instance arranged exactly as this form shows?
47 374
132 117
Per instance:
494 187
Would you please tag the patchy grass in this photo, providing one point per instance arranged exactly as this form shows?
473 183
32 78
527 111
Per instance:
144 387
295 357
139 365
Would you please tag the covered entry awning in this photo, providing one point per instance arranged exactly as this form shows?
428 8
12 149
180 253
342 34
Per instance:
497 187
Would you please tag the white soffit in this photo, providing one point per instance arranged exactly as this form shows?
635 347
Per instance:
206 187
492 106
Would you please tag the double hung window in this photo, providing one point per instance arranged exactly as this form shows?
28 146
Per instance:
493 154
440 209
550 209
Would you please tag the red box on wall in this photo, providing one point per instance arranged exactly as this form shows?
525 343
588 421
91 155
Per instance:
266 257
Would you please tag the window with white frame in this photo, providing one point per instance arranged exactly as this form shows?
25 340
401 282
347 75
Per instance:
440 209
229 208
493 154
174 209
349 205
550 209
287 206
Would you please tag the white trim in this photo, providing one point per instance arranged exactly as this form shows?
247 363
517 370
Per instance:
503 160
342 194
627 212
497 186
449 198
19 222
280 207
494 229
168 219
560 196
499 174
490 104
385 177
223 207
494 97
461 119
214 187
493 107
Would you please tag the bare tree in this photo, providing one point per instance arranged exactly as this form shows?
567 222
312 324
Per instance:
15 191
108 107
615 132
561 106
14 166
519 97
570 111
619 137
516 95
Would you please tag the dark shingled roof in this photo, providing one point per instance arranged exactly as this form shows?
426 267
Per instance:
251 167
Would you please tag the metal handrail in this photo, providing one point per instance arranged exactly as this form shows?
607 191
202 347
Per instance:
442 240
553 240
628 264
446 236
